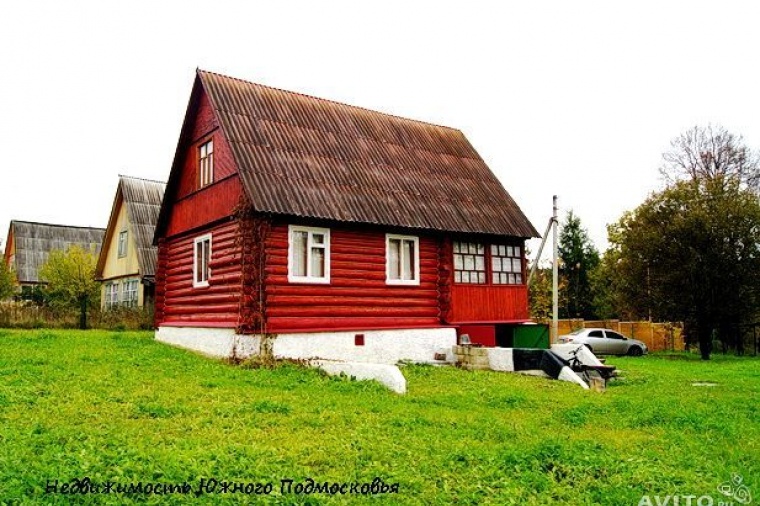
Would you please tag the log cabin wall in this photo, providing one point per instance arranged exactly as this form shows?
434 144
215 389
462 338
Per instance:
357 297
215 305
193 212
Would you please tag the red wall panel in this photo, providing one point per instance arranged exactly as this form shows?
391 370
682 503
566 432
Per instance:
488 303
211 204
484 335
357 297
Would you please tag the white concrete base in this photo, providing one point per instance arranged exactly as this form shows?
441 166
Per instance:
388 375
221 343
500 359
380 346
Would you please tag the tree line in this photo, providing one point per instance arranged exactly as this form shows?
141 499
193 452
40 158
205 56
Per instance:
690 252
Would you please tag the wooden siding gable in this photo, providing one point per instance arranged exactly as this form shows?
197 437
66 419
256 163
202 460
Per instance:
185 206
110 265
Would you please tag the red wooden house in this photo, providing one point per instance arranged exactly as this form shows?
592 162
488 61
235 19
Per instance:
335 231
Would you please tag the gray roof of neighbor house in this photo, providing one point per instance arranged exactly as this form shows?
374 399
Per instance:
303 156
142 198
32 243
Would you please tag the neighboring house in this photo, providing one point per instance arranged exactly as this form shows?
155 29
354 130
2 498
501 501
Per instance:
332 231
127 262
29 244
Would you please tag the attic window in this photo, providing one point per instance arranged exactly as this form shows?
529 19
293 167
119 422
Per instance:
122 244
206 164
201 260
308 255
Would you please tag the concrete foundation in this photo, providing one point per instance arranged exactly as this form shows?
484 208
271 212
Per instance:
374 346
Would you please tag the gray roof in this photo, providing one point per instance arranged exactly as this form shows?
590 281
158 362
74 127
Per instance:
142 198
33 242
303 156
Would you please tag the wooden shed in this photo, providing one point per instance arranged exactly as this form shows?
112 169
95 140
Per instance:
337 231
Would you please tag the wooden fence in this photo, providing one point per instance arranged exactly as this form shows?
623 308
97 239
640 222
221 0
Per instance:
21 315
657 336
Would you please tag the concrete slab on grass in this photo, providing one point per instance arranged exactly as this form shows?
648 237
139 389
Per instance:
388 375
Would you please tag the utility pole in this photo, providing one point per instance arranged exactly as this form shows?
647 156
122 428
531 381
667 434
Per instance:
552 225
555 276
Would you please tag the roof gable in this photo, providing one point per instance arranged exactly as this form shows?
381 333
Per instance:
302 156
142 198
33 242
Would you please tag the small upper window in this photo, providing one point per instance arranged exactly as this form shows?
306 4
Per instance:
206 164
201 260
308 255
122 243
402 259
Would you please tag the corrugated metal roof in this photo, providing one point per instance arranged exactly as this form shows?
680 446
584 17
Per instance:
33 242
303 156
143 200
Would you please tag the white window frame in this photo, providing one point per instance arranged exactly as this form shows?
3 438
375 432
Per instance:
129 290
112 294
200 240
206 163
292 278
122 253
402 238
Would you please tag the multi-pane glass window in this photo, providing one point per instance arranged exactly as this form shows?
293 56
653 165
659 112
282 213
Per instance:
112 295
129 293
478 263
402 260
309 255
469 262
122 243
506 265
201 260
206 164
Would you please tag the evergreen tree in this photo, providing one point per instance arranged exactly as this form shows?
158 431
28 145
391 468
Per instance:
579 259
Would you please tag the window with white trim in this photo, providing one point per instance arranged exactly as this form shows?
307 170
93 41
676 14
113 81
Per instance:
206 164
122 243
112 295
201 260
469 262
402 260
308 254
482 264
506 264
129 293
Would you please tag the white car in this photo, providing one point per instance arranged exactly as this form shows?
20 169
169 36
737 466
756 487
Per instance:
606 342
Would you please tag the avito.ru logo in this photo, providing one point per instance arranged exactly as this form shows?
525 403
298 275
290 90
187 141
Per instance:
736 492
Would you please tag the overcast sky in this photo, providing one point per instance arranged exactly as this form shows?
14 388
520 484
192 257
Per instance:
577 99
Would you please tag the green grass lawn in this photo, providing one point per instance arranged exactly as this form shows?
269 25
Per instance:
120 407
